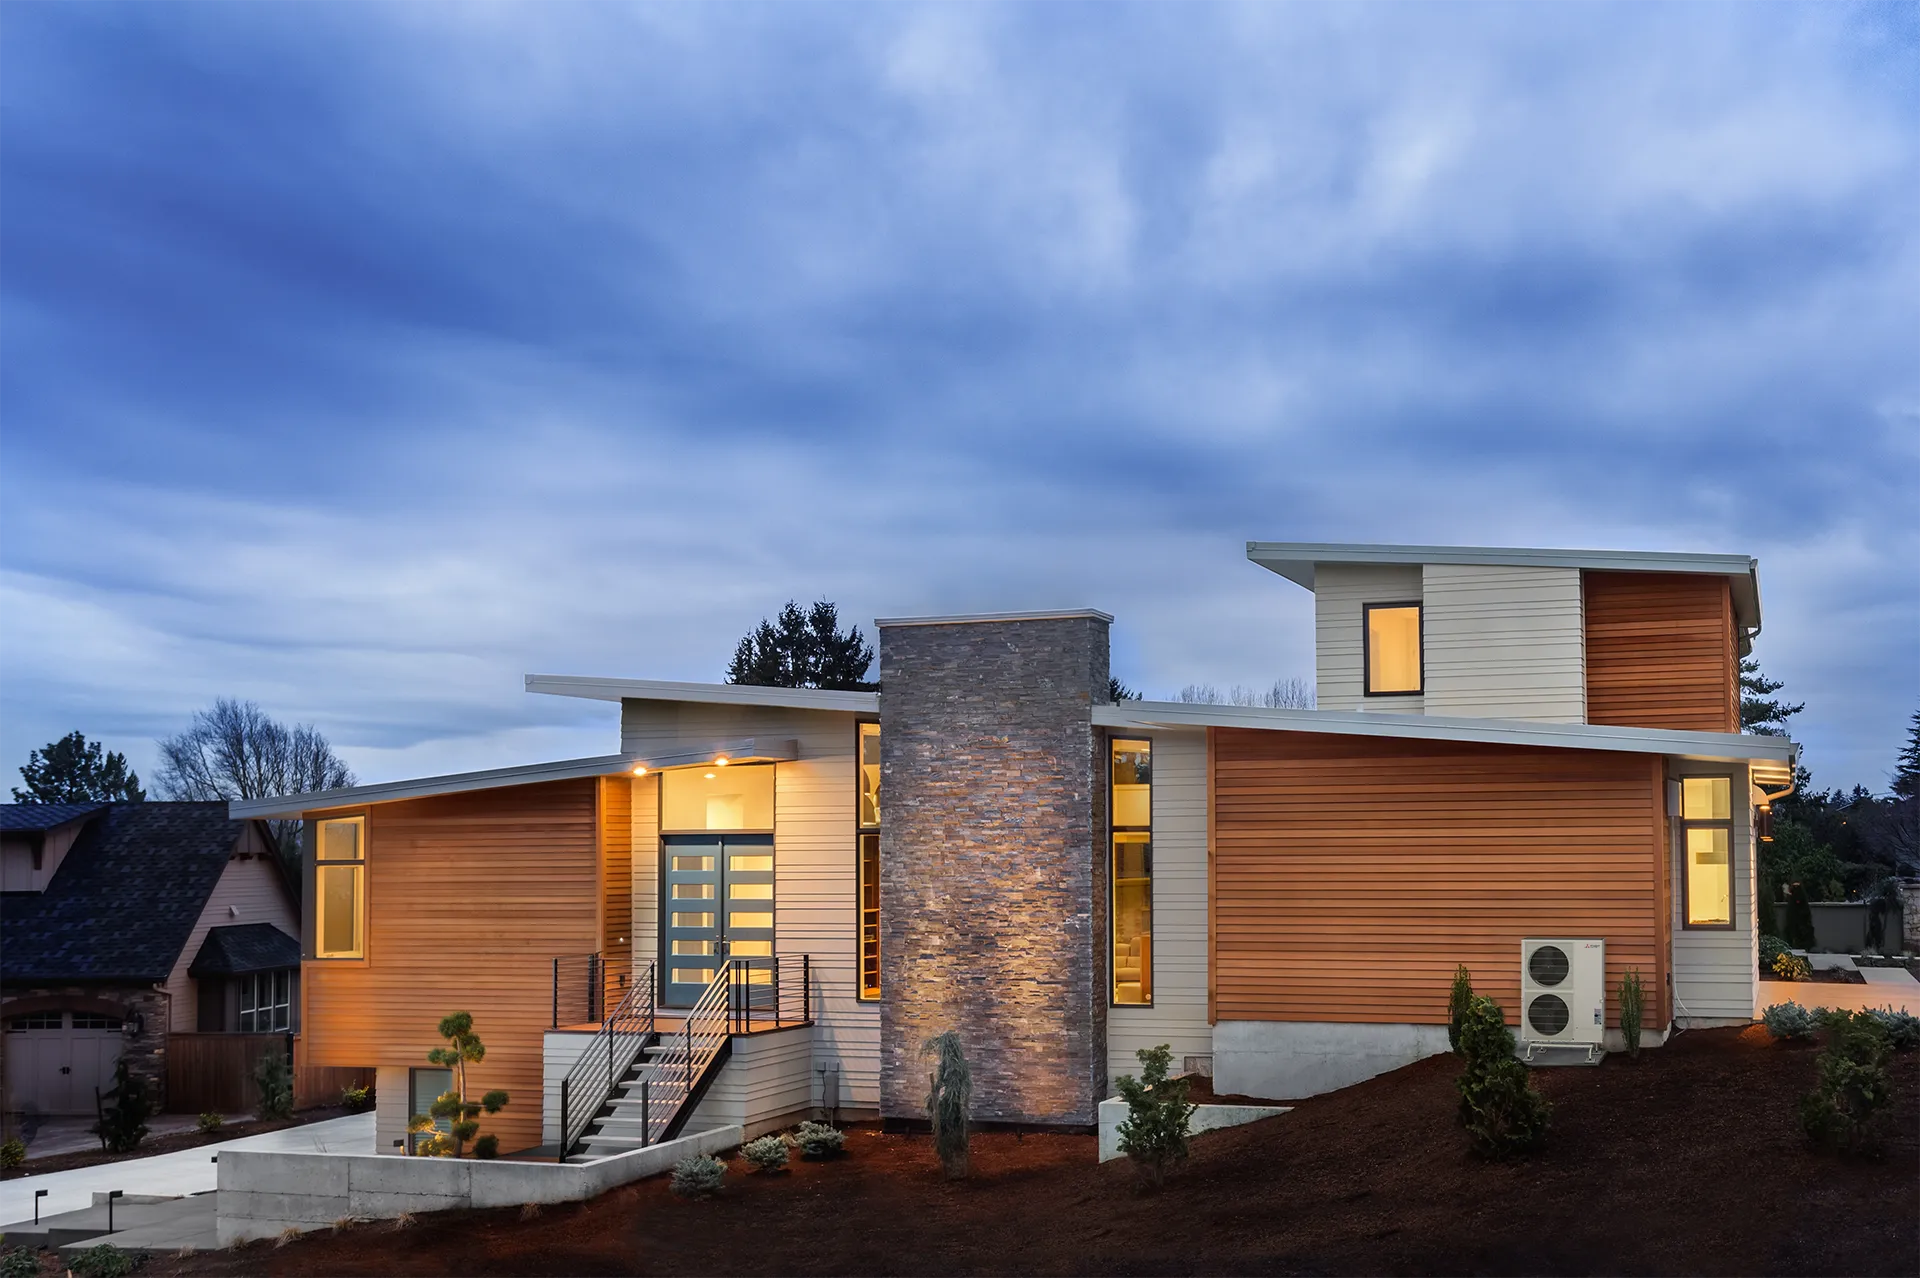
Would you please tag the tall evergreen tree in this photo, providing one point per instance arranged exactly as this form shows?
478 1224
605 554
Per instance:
76 770
1906 768
1760 711
803 650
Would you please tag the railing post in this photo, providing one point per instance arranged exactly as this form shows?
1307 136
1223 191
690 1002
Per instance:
778 1019
806 987
556 991
646 1115
561 1157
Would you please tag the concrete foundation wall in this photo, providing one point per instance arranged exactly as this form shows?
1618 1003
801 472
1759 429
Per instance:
263 1193
390 1115
1281 1060
1206 1118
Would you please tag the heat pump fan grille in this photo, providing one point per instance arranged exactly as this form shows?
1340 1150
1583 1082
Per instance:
1547 1014
1548 965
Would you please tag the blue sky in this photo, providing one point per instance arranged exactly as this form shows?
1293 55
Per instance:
360 359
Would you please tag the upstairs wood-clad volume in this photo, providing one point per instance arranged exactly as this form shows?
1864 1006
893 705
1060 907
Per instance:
1661 651
1352 873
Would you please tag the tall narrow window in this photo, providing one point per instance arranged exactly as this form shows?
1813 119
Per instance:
1130 812
868 839
1706 833
1393 649
339 898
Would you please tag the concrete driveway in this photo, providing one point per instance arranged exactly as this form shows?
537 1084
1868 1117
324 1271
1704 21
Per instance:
187 1171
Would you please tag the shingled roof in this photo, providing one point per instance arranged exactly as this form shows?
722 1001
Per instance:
33 818
124 901
244 947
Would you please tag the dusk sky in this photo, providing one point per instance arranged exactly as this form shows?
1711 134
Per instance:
360 359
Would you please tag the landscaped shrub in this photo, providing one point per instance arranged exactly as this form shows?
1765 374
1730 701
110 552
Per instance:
462 1115
211 1122
697 1176
768 1154
123 1121
1797 927
427 1142
1765 917
21 1262
487 1146
949 1093
1901 1028
1459 999
1632 1004
1154 1134
13 1152
1849 1106
1498 1106
104 1261
357 1099
817 1140
1790 1020
273 1075
1771 948
1791 967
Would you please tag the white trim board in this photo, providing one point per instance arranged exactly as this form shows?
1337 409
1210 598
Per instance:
724 694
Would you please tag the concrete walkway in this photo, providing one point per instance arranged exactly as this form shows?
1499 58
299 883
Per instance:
175 1175
1886 987
74 1135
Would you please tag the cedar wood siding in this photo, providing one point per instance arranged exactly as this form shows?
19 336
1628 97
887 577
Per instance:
1661 651
469 899
1352 873
616 874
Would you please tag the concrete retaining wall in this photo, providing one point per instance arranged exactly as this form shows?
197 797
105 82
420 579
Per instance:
264 1193
1291 1059
1206 1118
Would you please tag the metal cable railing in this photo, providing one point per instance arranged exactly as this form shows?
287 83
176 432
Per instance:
622 1036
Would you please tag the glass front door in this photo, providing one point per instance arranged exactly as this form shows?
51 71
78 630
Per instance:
718 904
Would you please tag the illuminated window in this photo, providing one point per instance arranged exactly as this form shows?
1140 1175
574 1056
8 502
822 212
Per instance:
867 854
1393 649
717 798
339 899
1706 833
1130 810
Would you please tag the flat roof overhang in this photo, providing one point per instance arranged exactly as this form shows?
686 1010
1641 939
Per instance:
742 751
1728 747
1295 560
721 694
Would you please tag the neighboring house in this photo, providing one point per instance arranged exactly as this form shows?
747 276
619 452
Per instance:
126 925
1511 745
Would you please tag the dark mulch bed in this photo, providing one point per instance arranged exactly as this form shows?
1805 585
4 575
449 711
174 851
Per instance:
1687 1161
168 1144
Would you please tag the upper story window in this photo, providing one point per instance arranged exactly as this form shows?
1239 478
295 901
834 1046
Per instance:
340 888
867 853
1393 657
721 797
1706 833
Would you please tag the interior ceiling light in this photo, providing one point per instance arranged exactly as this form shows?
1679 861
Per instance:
709 776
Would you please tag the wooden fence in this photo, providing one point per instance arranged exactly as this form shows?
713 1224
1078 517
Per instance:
214 1073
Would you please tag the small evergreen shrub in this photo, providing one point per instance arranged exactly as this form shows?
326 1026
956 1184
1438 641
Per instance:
1791 967
768 1154
1632 1004
487 1146
1848 1108
1498 1106
697 1176
1771 948
104 1261
211 1122
949 1095
1901 1028
357 1099
818 1140
21 1262
1459 999
273 1075
13 1152
1790 1020
1155 1132
123 1123
1797 927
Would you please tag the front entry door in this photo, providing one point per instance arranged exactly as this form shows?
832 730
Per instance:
718 904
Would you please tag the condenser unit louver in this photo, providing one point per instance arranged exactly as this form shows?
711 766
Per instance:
1563 994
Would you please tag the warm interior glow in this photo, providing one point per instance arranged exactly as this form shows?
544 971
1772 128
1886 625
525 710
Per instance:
1709 876
722 761
710 776
739 798
1706 799
1393 649
640 770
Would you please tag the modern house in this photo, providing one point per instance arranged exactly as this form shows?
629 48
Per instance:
127 929
762 904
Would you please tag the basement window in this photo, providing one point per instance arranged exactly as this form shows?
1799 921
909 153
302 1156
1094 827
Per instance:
1130 816
1706 834
339 899
867 854
1392 641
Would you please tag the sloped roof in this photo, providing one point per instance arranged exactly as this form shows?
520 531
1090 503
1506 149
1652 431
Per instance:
124 901
29 818
244 947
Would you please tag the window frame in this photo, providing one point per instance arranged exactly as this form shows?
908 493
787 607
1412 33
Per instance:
360 902
862 831
1366 647
1686 862
272 1004
441 1126
1112 884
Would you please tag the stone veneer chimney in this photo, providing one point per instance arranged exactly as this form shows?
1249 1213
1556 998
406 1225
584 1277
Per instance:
993 882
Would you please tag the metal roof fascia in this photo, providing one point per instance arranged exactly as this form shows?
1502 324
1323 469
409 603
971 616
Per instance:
726 694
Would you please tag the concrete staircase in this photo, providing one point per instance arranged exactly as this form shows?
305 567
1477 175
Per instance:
647 1108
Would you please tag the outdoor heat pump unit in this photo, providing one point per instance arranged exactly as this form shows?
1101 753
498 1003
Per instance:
1563 995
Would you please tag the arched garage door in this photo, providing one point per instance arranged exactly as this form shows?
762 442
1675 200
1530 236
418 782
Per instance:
55 1060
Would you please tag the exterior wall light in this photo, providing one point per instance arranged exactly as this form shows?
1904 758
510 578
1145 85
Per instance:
640 770
720 761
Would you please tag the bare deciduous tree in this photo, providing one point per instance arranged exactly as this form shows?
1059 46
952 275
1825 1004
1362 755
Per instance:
1285 694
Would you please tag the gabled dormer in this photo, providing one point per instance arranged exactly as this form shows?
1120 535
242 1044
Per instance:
1630 638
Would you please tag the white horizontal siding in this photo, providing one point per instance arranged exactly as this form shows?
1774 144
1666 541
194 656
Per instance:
1339 645
767 1083
250 890
1714 969
1504 643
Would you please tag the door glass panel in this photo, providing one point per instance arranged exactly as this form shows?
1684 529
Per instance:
742 918
750 891
693 947
736 862
750 949
693 891
693 863
701 976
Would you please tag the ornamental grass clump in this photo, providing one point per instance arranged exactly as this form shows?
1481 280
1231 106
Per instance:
1498 1106
1159 1115
1632 1003
767 1154
1790 1020
949 1095
1848 1109
698 1176
819 1141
